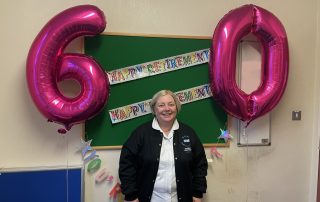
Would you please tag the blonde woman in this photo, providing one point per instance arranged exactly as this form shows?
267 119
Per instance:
163 160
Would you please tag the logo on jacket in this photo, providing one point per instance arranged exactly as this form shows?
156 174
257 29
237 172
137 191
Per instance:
185 141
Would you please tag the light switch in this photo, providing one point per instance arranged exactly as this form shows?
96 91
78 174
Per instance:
296 115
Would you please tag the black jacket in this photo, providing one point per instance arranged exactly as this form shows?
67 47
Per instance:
139 162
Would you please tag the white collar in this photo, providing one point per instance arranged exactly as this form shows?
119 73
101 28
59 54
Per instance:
155 125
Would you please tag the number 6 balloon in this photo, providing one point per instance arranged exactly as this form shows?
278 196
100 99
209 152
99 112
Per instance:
275 62
47 65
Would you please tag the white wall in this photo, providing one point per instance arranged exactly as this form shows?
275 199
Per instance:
285 171
315 140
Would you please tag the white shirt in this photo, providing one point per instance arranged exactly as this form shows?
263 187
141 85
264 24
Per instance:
165 187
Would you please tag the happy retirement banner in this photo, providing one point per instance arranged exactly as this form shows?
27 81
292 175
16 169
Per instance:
142 108
158 66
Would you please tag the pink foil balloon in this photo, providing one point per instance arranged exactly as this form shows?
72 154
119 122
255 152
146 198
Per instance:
275 62
47 65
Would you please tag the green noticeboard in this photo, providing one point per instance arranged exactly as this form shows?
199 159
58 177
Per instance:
115 51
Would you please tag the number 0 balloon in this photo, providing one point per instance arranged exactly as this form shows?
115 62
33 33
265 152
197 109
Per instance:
47 65
272 36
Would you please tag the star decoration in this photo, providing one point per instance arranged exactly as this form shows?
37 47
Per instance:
84 146
225 135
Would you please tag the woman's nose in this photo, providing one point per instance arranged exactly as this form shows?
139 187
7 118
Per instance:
167 107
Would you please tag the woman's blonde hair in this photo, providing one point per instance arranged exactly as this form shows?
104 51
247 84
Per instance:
163 93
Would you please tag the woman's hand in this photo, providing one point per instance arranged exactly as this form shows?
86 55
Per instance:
194 199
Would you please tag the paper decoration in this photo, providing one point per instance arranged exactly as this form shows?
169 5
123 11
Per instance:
142 108
225 135
94 165
103 175
95 162
214 153
116 190
158 66
85 148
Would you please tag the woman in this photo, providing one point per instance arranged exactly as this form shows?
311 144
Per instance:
163 160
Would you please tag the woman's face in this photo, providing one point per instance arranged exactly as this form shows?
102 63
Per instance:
165 110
